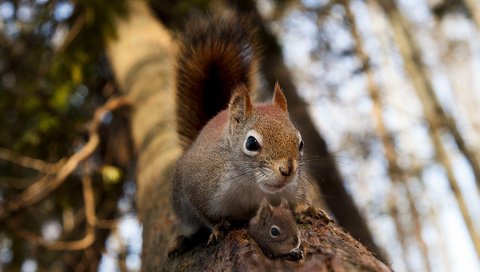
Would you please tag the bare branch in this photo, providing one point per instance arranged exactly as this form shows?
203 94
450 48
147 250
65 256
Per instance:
49 183
15 182
81 244
76 28
26 161
90 206
92 221
58 245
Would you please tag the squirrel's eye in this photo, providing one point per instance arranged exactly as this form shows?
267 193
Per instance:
300 146
252 144
275 231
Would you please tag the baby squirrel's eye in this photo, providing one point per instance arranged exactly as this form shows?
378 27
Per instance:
275 231
300 146
252 144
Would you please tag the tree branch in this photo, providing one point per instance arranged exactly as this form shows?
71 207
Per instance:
49 183
26 161
91 220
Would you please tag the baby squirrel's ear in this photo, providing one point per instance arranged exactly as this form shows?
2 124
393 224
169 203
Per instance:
284 204
240 106
265 209
279 98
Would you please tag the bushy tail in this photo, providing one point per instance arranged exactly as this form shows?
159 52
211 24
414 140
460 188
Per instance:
216 55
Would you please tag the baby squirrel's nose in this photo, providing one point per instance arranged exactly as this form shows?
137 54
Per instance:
287 168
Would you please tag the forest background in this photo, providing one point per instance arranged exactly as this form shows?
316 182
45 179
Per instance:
390 86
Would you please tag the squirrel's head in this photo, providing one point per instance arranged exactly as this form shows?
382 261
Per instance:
264 138
274 230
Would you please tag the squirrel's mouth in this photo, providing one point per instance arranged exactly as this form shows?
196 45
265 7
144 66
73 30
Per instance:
272 188
271 183
275 185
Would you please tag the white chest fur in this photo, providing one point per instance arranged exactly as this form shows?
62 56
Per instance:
239 198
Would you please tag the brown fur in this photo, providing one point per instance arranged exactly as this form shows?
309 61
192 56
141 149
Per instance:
215 56
281 217
217 178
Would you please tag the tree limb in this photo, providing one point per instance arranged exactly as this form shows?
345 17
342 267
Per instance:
49 183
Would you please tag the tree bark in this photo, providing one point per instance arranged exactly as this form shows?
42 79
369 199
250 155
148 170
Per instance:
142 58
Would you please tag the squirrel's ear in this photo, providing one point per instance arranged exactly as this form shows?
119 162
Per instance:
265 209
279 98
240 106
284 204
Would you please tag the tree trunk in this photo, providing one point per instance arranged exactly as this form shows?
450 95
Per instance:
142 58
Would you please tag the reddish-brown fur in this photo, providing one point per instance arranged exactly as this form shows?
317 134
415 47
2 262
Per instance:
215 56
279 217
217 177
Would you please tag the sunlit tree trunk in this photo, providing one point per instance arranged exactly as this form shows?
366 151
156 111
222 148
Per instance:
142 57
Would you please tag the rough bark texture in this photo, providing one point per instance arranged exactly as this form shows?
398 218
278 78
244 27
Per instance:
142 58
325 246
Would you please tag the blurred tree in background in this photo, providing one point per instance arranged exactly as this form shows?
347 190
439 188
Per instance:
390 84
54 73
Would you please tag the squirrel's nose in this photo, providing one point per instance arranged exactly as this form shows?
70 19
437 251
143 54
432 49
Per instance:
286 169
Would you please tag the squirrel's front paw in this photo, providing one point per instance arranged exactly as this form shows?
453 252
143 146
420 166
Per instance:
176 246
304 211
294 255
215 237
218 232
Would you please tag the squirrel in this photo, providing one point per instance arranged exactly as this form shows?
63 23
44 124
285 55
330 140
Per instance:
235 152
274 230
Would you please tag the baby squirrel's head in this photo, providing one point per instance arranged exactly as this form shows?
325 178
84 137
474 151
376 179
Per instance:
275 231
264 139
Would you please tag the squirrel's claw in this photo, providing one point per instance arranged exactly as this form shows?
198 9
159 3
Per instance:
294 255
304 211
176 246
216 235
218 232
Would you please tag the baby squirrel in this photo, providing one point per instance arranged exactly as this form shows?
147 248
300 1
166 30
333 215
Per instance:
275 231
235 152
